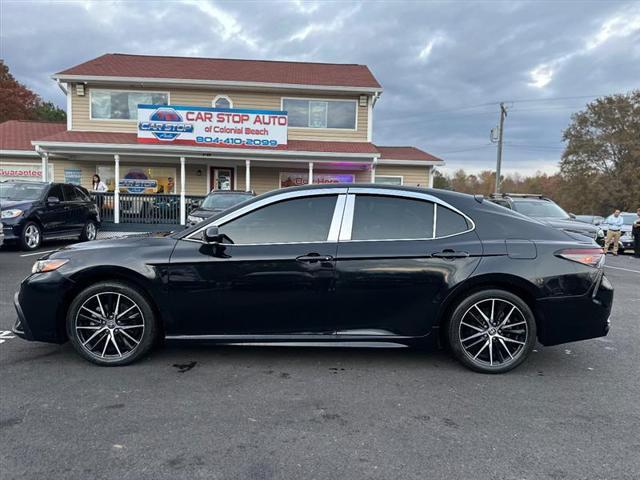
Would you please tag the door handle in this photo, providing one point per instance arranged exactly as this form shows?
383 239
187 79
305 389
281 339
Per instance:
450 254
314 257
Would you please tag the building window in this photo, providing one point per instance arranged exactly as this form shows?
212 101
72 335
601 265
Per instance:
389 179
122 105
320 113
222 101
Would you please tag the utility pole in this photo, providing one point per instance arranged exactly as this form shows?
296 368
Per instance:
503 115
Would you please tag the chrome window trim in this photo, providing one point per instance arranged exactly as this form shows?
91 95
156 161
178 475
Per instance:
336 220
347 223
339 192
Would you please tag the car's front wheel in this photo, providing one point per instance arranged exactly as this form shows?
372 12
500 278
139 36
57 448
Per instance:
31 236
492 331
111 323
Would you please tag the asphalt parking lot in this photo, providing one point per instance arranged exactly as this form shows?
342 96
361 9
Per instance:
569 412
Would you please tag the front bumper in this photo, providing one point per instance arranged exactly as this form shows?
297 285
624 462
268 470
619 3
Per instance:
40 307
569 319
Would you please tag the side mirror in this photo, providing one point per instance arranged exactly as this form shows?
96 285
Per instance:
212 236
572 215
53 200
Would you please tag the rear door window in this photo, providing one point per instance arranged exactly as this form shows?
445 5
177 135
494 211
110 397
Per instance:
379 217
70 194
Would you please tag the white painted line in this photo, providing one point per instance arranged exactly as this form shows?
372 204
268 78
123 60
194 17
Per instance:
5 335
37 253
625 269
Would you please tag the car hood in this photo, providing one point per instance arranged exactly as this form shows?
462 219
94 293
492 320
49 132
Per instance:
206 212
130 243
21 204
568 224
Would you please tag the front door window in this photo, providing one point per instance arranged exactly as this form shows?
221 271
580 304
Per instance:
222 179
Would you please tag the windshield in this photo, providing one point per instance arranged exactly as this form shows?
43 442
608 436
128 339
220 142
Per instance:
21 191
629 218
224 200
539 209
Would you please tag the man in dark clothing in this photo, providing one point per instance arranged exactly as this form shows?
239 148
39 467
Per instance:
636 236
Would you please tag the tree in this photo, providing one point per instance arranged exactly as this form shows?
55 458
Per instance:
600 165
440 181
17 102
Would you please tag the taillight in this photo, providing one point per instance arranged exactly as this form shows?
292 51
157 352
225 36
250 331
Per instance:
593 257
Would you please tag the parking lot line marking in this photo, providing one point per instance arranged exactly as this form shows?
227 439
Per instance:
625 269
37 253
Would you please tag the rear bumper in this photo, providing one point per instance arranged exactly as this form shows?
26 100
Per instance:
569 319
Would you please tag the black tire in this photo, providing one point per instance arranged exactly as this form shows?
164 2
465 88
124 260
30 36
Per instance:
470 335
28 240
112 297
89 231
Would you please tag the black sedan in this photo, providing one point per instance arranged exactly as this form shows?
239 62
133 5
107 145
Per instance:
355 263
37 211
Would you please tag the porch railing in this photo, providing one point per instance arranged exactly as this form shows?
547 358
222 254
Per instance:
145 208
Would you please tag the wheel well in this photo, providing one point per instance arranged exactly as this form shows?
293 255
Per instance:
127 277
466 289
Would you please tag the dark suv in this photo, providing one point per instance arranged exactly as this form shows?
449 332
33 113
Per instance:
217 201
36 211
547 211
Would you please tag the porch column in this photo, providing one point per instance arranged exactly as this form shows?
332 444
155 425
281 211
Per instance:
183 212
310 173
247 175
430 174
373 170
45 167
116 191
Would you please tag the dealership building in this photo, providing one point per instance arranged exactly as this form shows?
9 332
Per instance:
180 127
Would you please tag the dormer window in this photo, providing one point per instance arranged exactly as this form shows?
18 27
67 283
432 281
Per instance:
222 101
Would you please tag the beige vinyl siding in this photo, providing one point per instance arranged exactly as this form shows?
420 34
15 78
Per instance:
411 176
81 119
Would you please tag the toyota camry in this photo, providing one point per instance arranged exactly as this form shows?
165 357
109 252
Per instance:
328 263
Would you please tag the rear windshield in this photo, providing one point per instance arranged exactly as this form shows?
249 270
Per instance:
224 200
539 209
21 191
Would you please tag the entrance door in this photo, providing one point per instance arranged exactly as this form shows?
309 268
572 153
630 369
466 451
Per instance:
222 178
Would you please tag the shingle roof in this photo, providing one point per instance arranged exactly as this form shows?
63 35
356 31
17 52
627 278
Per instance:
406 153
219 69
132 139
17 134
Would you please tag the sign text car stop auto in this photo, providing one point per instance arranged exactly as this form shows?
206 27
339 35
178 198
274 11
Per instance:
217 127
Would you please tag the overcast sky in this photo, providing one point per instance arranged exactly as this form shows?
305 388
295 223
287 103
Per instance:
443 65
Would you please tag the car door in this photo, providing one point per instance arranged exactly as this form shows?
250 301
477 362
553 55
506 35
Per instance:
274 279
52 215
74 209
398 255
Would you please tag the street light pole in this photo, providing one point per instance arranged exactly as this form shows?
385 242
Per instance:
503 114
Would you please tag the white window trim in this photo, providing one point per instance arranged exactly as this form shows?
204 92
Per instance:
119 120
355 129
218 97
401 177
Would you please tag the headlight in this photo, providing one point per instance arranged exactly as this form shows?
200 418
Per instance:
193 219
600 233
11 213
42 266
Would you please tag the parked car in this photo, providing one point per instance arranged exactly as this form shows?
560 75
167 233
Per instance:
1 234
37 211
328 263
592 219
217 201
548 212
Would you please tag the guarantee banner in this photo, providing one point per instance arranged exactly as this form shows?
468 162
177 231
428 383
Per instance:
215 127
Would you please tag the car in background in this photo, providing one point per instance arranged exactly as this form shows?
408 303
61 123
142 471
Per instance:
37 211
1 235
328 263
626 235
216 202
548 212
592 219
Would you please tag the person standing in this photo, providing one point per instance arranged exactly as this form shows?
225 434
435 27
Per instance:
98 185
636 236
614 224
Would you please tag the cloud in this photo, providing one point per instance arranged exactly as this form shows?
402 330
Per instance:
444 66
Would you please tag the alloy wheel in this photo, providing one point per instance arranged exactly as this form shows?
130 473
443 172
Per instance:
90 231
493 332
32 236
109 325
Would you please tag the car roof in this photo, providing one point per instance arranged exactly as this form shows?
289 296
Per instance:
216 192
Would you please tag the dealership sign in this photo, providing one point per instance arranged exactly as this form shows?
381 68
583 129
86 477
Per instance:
294 179
215 127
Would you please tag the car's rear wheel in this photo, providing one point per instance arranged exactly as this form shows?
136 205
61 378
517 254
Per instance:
492 331
111 323
89 232
31 236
